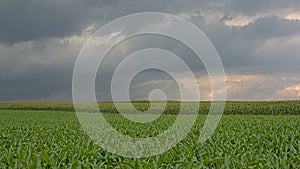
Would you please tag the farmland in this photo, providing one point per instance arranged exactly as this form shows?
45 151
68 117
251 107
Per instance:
241 108
249 135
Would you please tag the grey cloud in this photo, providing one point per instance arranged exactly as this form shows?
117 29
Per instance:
38 66
269 27
31 20
25 75
250 49
252 7
133 44
36 86
136 43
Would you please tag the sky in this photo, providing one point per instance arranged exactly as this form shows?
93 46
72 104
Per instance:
257 41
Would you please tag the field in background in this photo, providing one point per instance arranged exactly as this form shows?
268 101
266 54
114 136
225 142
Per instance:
250 108
250 135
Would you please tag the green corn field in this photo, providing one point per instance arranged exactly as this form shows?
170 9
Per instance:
249 135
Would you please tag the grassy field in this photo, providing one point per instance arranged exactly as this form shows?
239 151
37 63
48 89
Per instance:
250 135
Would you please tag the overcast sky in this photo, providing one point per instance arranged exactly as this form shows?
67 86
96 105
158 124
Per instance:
258 42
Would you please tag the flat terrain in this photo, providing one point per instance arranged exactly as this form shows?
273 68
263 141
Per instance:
250 135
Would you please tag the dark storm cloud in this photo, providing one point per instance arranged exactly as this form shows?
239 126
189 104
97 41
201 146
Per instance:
31 71
252 7
37 85
270 27
241 48
37 19
36 63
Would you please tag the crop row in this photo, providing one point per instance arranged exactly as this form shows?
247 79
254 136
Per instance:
251 108
54 139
